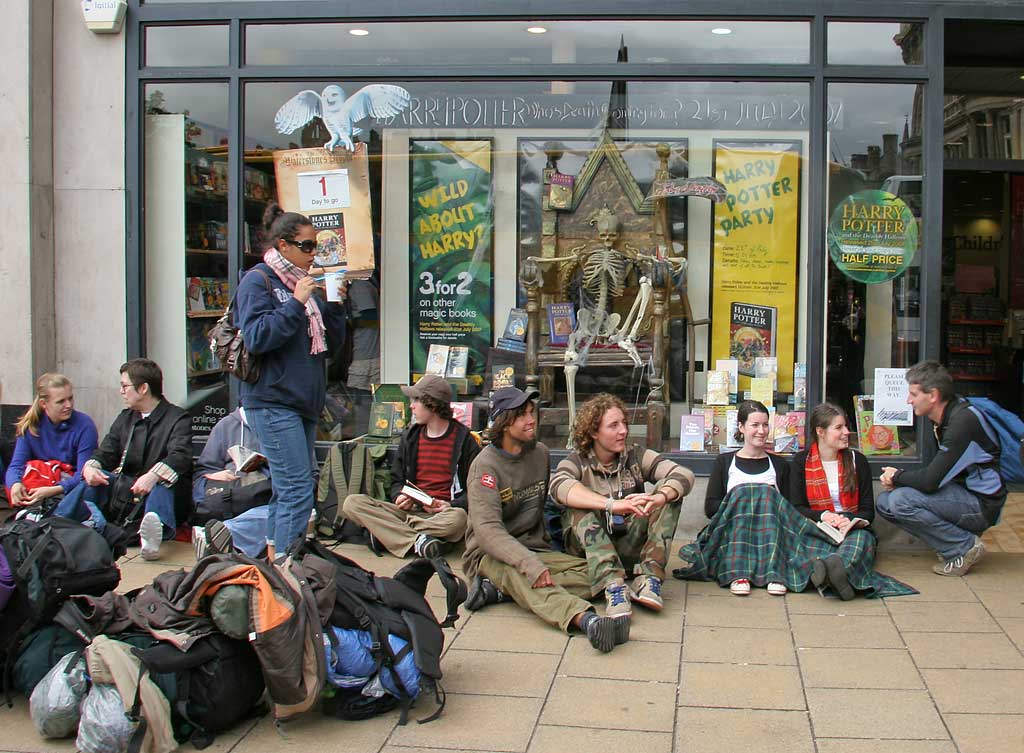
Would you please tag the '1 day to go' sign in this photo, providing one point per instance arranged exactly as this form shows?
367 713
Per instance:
319 191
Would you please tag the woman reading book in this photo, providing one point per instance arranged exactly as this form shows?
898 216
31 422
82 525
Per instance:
831 484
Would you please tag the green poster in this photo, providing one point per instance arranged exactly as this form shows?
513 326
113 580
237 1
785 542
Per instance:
872 236
451 223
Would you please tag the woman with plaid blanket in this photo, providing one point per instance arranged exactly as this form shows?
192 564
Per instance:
756 537
831 483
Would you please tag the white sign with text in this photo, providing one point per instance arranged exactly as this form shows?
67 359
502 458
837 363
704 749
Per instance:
891 391
323 190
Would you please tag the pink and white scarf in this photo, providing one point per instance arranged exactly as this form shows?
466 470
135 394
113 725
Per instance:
291 274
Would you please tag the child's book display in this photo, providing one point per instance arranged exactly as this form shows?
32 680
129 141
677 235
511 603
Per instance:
437 360
751 334
718 388
875 439
561 322
458 361
691 433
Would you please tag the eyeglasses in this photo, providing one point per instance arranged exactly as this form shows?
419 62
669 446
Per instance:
125 387
308 246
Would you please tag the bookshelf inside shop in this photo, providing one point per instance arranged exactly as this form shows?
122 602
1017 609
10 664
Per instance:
187 269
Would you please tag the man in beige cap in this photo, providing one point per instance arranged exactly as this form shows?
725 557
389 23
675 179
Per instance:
433 457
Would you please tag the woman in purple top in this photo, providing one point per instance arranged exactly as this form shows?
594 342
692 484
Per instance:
50 430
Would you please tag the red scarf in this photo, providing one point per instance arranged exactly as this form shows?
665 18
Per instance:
291 274
818 494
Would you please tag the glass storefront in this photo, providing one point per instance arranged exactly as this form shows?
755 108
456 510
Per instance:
662 230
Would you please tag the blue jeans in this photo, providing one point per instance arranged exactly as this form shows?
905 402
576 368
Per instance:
287 439
947 520
249 530
84 502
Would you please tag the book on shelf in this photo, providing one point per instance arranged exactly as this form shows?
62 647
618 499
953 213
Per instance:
458 362
691 433
462 412
560 191
437 359
874 439
789 431
767 367
717 417
399 415
411 490
707 418
761 390
245 459
717 388
194 295
835 534
800 386
503 375
382 420
732 366
515 325
751 334
512 346
561 322
731 425
458 385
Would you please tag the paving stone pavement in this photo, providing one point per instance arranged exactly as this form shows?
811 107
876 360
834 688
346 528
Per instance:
940 672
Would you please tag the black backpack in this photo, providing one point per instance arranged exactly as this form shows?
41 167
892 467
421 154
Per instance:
395 606
225 500
216 683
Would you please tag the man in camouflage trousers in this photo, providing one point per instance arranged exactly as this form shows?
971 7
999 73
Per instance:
609 517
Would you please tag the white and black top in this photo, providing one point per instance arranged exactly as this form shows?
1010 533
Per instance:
730 470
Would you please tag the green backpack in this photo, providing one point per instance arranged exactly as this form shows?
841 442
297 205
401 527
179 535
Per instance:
351 467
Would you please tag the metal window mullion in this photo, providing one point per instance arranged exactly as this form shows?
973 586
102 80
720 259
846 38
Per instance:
817 269
236 175
134 197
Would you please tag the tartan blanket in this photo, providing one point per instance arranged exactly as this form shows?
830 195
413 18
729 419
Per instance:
757 534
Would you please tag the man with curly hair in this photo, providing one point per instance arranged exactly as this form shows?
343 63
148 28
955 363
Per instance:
434 455
508 550
609 515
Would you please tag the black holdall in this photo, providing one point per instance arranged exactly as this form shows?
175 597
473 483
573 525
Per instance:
228 499
228 346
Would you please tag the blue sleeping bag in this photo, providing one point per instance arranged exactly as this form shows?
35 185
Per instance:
1009 431
351 664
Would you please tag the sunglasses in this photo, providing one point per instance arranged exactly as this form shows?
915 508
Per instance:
307 246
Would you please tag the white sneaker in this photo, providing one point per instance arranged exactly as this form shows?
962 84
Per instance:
151 534
199 542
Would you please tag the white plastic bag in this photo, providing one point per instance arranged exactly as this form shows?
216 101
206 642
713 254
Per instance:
104 727
55 701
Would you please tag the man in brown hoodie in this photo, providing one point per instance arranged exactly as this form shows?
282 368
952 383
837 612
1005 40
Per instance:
508 552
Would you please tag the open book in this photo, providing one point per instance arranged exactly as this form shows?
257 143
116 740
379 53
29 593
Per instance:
245 460
835 534
411 490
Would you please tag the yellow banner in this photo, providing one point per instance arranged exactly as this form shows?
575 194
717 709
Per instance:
756 248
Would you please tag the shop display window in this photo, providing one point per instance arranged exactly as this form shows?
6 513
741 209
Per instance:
874 231
191 46
875 43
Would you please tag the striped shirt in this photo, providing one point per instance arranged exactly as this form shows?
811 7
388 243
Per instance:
434 463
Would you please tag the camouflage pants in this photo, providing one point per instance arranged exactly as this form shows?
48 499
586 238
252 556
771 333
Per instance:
643 548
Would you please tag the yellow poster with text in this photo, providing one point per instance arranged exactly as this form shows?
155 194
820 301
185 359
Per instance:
755 257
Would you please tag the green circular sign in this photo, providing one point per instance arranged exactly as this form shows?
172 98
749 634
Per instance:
872 236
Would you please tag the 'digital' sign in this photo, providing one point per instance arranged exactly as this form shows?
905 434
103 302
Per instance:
872 236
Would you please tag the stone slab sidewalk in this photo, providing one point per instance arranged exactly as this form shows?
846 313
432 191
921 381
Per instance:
936 673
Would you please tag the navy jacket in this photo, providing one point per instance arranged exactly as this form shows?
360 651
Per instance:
275 327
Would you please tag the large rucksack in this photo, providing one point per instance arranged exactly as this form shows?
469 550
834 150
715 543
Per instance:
51 560
351 467
1009 433
396 606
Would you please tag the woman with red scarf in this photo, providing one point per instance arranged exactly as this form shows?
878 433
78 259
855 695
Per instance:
832 483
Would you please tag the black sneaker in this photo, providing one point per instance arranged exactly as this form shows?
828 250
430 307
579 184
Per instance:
428 546
600 631
482 593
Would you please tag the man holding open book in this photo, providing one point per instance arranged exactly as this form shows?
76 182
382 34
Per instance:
428 486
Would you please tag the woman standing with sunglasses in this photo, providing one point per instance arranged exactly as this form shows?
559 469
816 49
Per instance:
285 322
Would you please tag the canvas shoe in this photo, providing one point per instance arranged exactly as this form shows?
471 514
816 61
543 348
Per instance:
427 546
218 538
616 597
958 566
482 593
151 534
777 589
199 542
646 591
600 631
837 577
740 587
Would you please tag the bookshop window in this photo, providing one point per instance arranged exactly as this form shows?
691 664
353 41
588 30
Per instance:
874 234
699 188
522 43
186 46
875 43
186 241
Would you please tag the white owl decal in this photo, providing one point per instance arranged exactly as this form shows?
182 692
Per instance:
340 114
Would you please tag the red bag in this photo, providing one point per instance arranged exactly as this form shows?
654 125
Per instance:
40 473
